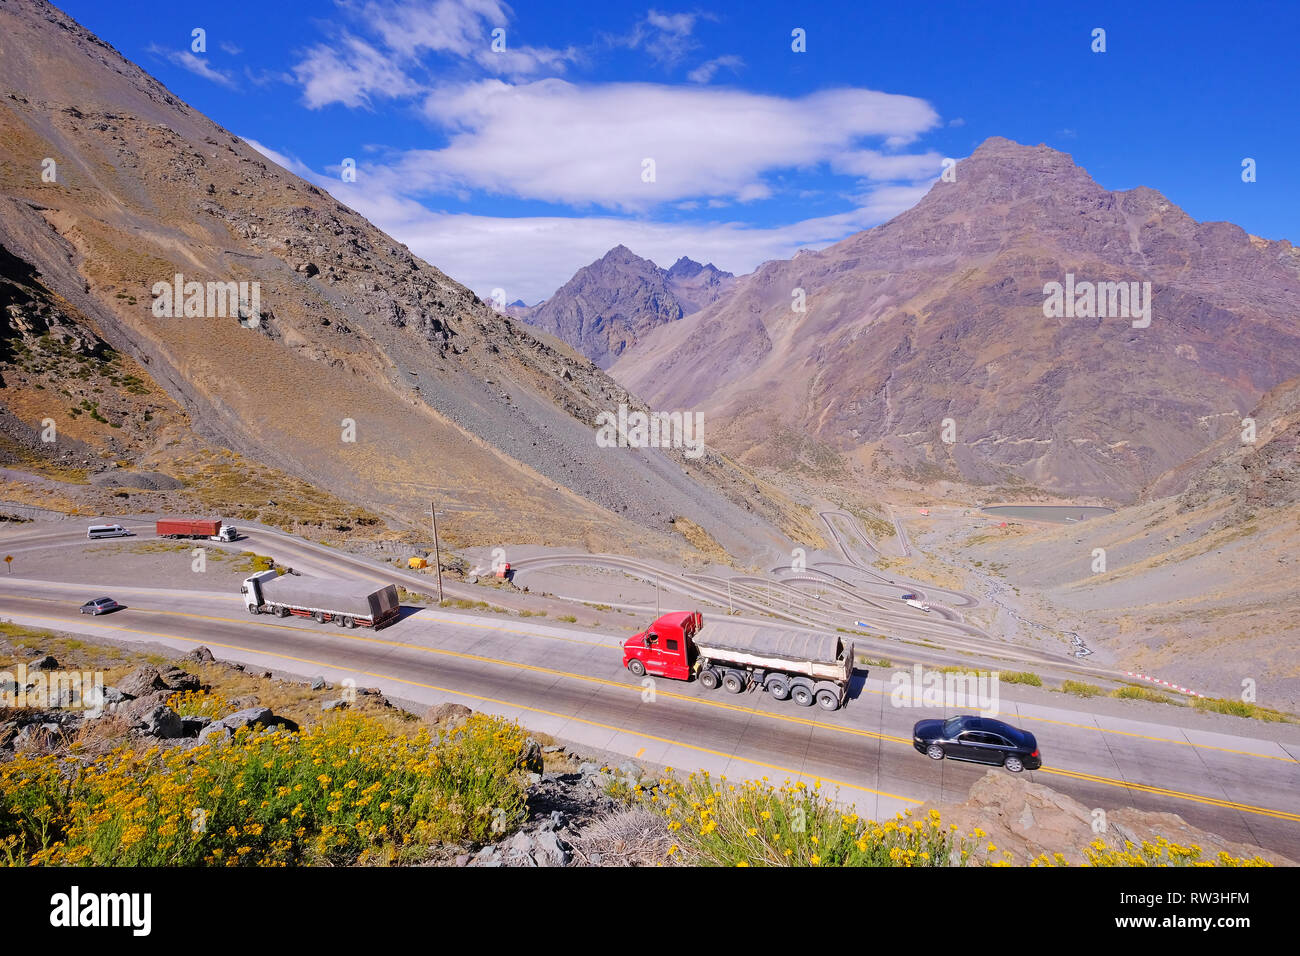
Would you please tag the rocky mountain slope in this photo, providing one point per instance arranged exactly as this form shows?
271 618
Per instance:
937 318
368 373
1196 582
614 302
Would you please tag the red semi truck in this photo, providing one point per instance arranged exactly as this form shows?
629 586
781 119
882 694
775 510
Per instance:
214 529
804 666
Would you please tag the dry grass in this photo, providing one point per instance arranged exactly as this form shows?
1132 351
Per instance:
632 837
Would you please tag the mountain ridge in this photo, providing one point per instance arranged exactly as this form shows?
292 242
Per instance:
938 315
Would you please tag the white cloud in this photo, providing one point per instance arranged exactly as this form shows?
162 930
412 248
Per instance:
350 72
666 37
197 65
870 164
704 72
556 141
354 71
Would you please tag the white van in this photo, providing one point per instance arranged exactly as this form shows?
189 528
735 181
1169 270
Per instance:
108 531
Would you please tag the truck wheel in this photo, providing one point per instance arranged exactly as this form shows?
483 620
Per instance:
320 617
282 611
708 678
636 667
778 688
254 609
802 695
341 621
350 621
827 701
733 683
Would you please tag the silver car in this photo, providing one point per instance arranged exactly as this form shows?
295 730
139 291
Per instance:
100 606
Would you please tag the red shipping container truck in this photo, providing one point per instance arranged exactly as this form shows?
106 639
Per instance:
213 529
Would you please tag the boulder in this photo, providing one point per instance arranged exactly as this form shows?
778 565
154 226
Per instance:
451 714
249 717
200 654
339 704
161 721
193 724
178 679
550 850
141 682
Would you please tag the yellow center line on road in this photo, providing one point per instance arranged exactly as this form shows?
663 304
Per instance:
511 704
1160 791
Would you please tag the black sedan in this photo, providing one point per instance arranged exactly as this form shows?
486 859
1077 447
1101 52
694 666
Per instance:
977 740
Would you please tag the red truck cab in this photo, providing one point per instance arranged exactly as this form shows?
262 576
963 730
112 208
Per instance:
666 647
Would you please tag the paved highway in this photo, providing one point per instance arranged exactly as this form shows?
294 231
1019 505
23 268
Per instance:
1243 784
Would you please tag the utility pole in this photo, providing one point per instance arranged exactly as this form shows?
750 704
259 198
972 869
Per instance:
437 552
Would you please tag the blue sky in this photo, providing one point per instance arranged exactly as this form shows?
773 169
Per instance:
511 169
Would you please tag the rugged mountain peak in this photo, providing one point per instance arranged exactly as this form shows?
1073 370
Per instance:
610 304
687 268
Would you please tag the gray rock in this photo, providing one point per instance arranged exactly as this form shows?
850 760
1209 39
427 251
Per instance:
192 725
113 696
133 709
9 687
46 663
249 717
201 654
178 679
163 722
318 683
551 850
553 749
141 682
587 768
453 714
334 705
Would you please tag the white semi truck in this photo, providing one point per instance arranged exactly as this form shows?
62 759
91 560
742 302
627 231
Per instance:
345 603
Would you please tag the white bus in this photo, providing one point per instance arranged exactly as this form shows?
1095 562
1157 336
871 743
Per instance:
107 531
